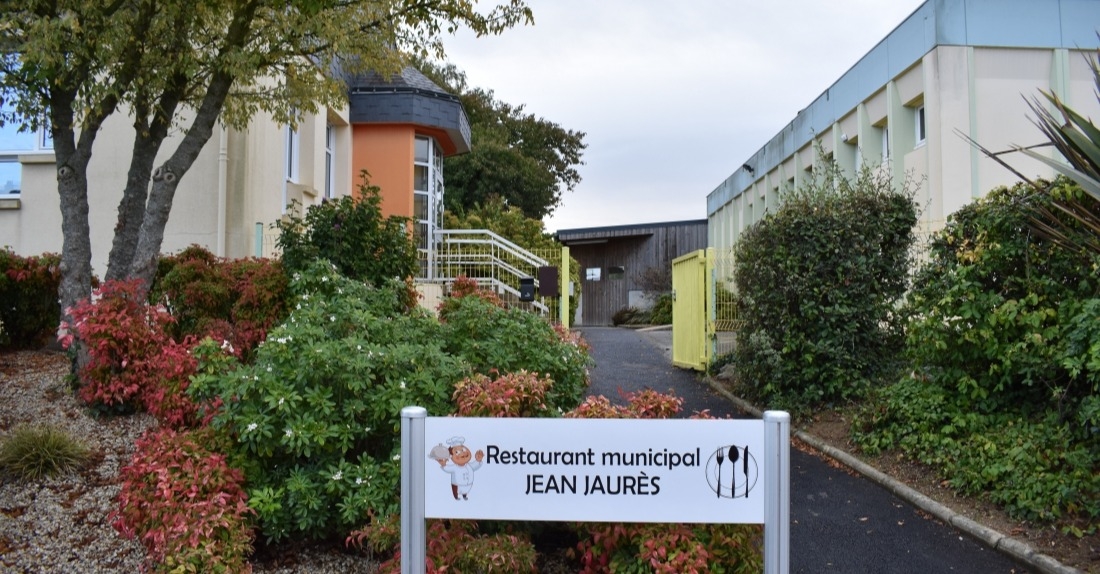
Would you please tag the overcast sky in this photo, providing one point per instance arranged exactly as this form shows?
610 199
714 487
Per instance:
673 96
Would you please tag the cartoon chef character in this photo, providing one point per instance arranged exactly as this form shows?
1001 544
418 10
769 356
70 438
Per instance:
455 459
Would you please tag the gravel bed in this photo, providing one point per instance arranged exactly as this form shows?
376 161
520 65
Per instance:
60 525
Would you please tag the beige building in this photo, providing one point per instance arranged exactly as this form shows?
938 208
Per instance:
398 129
953 68
238 186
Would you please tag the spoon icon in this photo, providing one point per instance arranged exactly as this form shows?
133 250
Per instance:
733 455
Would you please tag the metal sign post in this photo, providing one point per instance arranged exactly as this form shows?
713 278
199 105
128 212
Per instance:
413 529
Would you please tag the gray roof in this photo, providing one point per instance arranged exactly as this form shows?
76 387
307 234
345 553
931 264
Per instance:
408 98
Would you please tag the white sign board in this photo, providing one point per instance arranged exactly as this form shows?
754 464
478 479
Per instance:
623 470
595 470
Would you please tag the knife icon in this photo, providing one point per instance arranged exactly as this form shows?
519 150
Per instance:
745 468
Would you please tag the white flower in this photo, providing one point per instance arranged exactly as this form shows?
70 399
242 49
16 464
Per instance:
358 481
338 475
340 290
299 306
359 347
397 457
269 369
281 400
402 385
281 340
324 279
289 432
332 318
251 427
367 429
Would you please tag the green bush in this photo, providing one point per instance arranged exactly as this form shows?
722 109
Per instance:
817 282
496 341
34 452
314 421
661 312
29 308
1004 338
354 235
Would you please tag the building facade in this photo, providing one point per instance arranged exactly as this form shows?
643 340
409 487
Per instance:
397 129
953 69
618 264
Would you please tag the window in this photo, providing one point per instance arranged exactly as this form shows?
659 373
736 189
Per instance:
293 145
10 175
918 116
592 274
616 273
427 197
13 142
330 160
885 143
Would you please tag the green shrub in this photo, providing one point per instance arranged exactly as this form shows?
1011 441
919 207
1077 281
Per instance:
1004 337
624 316
29 308
497 341
817 282
353 234
314 421
661 312
34 452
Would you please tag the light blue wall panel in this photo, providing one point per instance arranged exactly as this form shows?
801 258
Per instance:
1023 23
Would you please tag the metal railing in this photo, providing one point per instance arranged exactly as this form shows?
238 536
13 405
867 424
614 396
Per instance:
490 260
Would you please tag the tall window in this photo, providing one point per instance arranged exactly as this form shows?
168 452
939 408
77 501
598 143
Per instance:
885 143
293 151
330 160
918 117
427 198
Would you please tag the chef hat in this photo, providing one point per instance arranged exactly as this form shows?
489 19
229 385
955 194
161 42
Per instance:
456 440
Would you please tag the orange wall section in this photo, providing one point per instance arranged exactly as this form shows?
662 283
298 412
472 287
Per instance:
386 152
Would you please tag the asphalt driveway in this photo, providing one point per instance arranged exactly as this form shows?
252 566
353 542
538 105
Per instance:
840 521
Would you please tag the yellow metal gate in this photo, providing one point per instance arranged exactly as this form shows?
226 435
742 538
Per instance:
692 310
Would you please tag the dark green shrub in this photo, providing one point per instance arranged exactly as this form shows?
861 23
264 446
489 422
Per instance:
29 308
817 282
661 312
497 341
353 234
314 420
36 452
1004 337
624 316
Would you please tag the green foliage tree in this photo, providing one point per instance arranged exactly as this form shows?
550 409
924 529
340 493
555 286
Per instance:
526 160
354 235
184 66
817 282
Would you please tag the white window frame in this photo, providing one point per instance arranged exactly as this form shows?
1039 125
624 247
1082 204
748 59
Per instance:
885 142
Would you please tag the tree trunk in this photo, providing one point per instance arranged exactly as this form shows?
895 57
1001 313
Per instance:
167 179
131 210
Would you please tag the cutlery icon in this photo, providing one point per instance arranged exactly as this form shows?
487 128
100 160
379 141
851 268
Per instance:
721 459
745 468
733 454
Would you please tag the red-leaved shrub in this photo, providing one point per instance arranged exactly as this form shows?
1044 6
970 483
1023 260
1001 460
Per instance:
185 504
520 394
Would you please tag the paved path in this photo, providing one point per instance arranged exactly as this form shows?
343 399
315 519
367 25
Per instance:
840 522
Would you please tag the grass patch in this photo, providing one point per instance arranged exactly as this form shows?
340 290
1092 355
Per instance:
33 452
